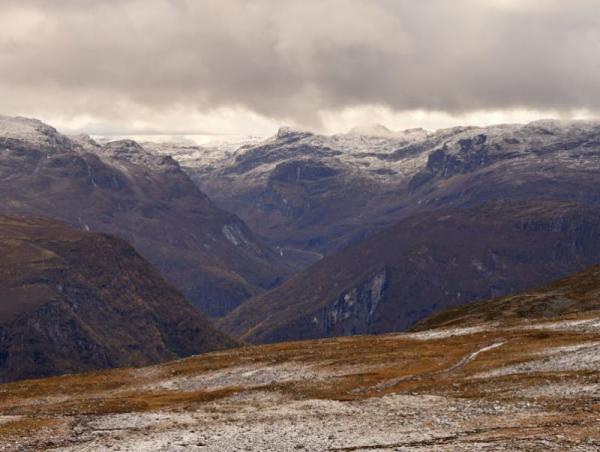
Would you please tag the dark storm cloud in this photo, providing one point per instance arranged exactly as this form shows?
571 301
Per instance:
295 58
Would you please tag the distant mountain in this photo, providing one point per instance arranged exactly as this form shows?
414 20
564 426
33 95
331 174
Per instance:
379 130
317 193
430 261
313 193
74 301
125 190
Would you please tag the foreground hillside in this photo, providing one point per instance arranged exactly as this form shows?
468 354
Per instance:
428 262
122 189
513 386
74 301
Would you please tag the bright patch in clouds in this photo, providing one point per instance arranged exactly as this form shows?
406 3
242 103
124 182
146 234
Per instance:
433 120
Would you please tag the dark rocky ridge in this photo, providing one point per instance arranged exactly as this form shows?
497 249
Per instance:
74 301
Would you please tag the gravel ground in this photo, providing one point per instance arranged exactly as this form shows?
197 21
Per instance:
269 422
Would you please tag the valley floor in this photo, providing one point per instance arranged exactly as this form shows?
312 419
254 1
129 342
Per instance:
515 386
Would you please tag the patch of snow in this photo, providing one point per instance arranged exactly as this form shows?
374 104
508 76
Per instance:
6 419
559 390
585 356
242 376
441 333
582 325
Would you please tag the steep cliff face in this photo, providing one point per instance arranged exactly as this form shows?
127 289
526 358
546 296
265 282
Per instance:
72 301
354 309
425 263
122 189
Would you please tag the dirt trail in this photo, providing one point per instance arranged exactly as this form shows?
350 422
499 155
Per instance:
462 362
471 356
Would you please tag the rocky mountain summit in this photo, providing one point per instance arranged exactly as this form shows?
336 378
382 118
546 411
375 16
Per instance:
146 198
75 301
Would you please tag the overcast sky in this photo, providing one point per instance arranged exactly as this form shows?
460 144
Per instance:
235 66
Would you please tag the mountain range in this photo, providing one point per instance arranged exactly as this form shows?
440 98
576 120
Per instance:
316 193
408 222
364 232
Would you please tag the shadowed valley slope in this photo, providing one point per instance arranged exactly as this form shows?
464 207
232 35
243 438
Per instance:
425 263
74 301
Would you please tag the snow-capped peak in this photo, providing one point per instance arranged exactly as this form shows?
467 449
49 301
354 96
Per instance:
32 132
373 130
381 131
286 132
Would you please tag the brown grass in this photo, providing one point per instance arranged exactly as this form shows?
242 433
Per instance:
352 369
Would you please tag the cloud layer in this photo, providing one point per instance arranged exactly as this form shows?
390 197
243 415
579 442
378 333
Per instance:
289 60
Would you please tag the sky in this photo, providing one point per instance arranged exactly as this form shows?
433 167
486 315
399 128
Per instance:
168 67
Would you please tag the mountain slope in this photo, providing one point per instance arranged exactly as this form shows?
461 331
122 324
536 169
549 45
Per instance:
427 262
72 301
122 189
576 293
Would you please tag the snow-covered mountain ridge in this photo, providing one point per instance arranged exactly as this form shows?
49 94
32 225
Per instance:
370 148
306 190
